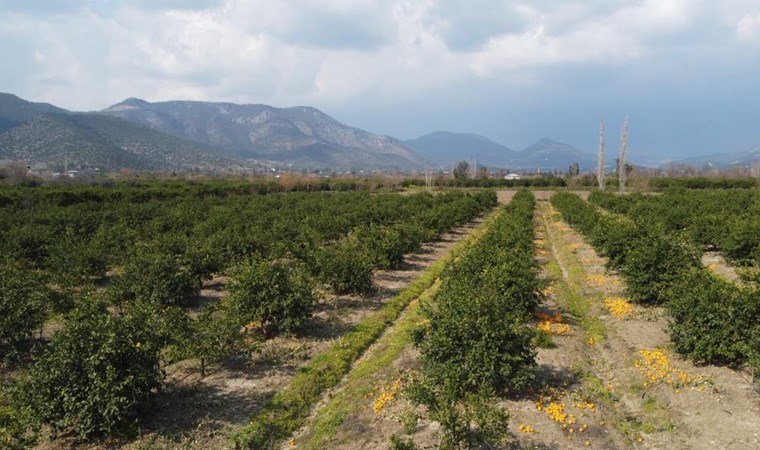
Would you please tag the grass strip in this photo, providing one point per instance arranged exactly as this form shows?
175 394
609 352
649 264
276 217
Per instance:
290 408
571 289
366 375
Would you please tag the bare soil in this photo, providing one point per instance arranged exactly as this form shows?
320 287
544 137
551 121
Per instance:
200 413
717 408
718 264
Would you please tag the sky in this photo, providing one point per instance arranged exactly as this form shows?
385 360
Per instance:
686 72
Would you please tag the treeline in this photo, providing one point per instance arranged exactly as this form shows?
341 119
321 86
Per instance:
121 276
714 321
488 182
477 342
702 183
68 192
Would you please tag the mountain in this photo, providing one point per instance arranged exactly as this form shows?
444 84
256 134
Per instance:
81 141
722 160
445 148
300 135
547 154
14 111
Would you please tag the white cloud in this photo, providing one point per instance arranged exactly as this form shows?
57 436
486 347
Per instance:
335 51
748 28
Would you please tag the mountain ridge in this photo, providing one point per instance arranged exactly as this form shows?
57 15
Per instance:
190 135
273 133
544 154
53 141
14 110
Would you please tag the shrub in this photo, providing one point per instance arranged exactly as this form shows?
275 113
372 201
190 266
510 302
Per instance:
155 277
17 430
474 421
477 343
95 374
613 238
651 264
274 294
346 267
22 307
214 337
383 245
713 322
741 239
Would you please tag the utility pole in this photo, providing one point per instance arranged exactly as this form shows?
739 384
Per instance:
623 150
600 170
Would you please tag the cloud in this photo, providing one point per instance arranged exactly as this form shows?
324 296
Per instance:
748 28
492 64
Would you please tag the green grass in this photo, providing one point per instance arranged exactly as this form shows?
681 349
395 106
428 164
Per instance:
573 289
369 373
290 408
580 301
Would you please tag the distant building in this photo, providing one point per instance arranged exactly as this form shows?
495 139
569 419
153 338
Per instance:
512 176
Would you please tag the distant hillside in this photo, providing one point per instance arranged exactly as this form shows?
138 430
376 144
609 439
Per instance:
83 141
723 160
299 135
15 111
547 154
445 148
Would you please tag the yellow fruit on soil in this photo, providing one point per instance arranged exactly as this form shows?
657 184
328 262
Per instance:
618 307
655 366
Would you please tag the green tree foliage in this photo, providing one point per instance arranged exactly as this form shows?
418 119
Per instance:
96 374
346 267
478 343
17 429
652 264
274 294
156 241
23 297
383 244
714 321
214 336
156 277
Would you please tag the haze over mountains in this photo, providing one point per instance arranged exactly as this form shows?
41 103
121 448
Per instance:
446 148
212 137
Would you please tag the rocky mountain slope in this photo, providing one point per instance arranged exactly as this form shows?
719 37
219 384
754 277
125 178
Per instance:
300 135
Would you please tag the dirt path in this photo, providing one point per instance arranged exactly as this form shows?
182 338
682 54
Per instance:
716 262
195 413
349 416
643 395
366 408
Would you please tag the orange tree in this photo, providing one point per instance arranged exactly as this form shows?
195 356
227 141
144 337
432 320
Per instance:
96 374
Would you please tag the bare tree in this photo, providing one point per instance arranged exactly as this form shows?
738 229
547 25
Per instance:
600 169
754 170
623 149
14 172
